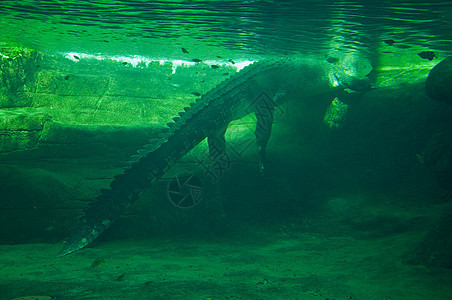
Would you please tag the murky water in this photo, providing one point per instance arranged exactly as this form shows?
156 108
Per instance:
353 199
238 28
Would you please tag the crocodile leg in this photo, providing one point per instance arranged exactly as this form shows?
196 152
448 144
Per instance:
263 130
217 144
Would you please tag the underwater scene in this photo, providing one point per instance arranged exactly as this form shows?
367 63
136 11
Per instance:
243 149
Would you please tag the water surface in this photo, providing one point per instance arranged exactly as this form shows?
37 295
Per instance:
237 28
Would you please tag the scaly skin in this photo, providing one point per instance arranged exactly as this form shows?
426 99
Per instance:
274 81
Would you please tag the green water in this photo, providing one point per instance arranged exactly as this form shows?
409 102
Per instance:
355 200
232 28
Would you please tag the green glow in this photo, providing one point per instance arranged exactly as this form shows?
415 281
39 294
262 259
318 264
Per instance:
335 114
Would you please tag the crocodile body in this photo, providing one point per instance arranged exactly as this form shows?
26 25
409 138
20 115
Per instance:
261 84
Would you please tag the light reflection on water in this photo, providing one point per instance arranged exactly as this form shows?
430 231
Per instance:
227 28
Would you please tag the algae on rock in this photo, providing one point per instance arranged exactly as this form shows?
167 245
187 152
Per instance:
17 70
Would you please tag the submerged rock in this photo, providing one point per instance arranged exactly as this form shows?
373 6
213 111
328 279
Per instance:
435 250
437 156
438 85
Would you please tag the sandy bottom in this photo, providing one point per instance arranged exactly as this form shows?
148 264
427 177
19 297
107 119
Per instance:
256 265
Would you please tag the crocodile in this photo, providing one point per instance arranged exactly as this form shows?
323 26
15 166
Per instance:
258 88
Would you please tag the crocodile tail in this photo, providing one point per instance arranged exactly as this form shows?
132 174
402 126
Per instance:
124 190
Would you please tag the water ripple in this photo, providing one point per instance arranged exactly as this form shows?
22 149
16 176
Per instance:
236 27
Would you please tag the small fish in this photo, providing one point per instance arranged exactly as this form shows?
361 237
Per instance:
196 60
105 41
37 66
225 74
76 57
184 50
196 94
67 77
124 63
218 56
389 42
97 262
214 66
231 61
332 60
121 277
427 55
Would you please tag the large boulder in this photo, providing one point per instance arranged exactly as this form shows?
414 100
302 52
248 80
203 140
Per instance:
439 82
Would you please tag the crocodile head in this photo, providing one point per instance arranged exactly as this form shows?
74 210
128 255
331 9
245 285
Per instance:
352 73
354 83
